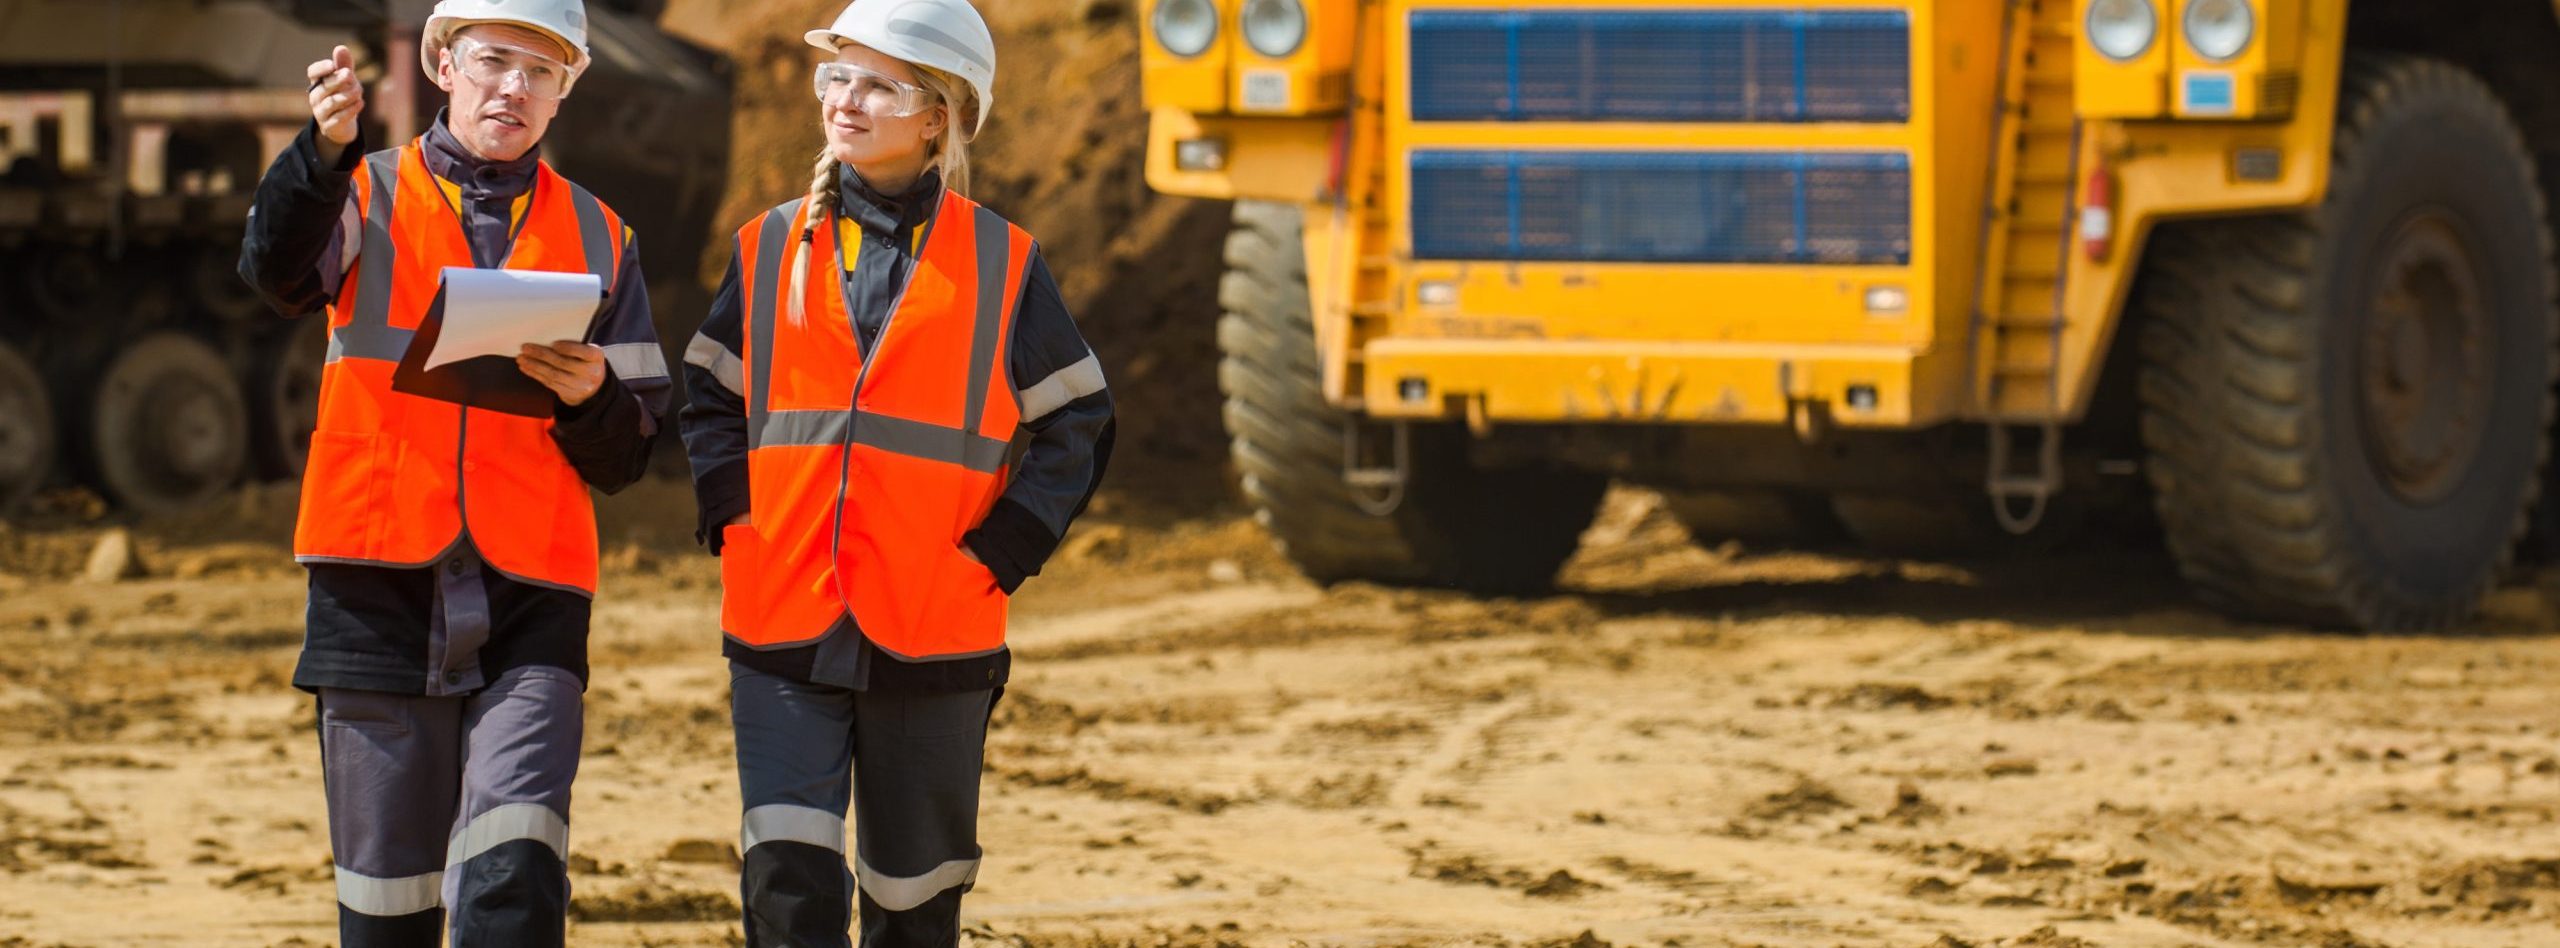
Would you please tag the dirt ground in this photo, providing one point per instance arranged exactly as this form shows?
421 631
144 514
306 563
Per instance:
1688 747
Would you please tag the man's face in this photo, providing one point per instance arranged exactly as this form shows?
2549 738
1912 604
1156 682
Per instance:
505 82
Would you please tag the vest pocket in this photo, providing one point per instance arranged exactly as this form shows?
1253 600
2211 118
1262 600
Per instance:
339 483
962 610
971 574
741 566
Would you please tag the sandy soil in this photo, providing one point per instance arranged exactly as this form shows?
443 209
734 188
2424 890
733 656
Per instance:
1687 748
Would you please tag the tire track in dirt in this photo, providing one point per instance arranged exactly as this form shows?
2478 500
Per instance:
1690 747
1453 754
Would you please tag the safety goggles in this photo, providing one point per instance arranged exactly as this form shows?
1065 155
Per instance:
869 92
490 66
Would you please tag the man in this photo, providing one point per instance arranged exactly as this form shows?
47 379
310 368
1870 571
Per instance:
452 550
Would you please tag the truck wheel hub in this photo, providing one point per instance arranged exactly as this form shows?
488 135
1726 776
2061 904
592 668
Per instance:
2423 386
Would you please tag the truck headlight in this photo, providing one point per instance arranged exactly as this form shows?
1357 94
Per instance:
1200 154
1185 27
1274 28
2122 29
2219 29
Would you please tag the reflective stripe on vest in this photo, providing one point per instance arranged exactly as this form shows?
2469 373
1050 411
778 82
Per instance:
370 334
865 469
889 433
399 480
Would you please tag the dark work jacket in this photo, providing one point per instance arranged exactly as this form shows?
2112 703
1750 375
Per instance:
367 627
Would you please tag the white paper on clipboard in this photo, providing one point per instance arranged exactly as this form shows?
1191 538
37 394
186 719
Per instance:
496 312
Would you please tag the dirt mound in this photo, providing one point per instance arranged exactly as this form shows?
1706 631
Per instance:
1064 156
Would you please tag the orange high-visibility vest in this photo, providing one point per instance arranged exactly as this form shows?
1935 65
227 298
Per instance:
865 469
399 480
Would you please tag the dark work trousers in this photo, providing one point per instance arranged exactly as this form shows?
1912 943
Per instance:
456 802
907 761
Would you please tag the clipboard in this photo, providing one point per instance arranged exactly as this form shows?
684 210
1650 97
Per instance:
488 383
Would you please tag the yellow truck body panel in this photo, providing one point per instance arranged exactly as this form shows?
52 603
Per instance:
1994 214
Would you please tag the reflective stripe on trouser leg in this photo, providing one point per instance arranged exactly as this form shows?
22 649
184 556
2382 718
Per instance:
915 805
506 869
795 746
387 762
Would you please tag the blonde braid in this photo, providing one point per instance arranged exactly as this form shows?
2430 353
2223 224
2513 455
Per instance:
820 212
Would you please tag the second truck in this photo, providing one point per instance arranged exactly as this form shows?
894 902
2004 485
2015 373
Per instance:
133 359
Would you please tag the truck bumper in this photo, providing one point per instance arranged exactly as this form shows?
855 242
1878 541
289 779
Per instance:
1550 381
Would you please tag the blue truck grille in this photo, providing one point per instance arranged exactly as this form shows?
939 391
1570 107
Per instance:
1666 66
1663 207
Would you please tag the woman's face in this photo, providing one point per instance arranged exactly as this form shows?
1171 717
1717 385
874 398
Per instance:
864 137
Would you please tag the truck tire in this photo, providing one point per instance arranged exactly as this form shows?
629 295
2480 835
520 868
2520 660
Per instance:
27 442
2345 409
70 287
1754 516
167 429
213 283
286 396
1458 526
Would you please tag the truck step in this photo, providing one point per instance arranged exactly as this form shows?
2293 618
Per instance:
2024 368
2029 322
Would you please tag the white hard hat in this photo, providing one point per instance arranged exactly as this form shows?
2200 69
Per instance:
565 20
948 35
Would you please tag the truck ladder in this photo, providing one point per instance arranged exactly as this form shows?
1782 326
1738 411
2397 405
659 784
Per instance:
2018 318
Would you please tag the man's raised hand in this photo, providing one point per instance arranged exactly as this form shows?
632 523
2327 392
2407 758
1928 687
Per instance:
336 100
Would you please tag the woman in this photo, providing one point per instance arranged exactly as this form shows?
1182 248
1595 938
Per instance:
893 420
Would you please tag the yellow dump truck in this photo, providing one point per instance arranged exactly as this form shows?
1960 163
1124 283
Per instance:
1929 271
